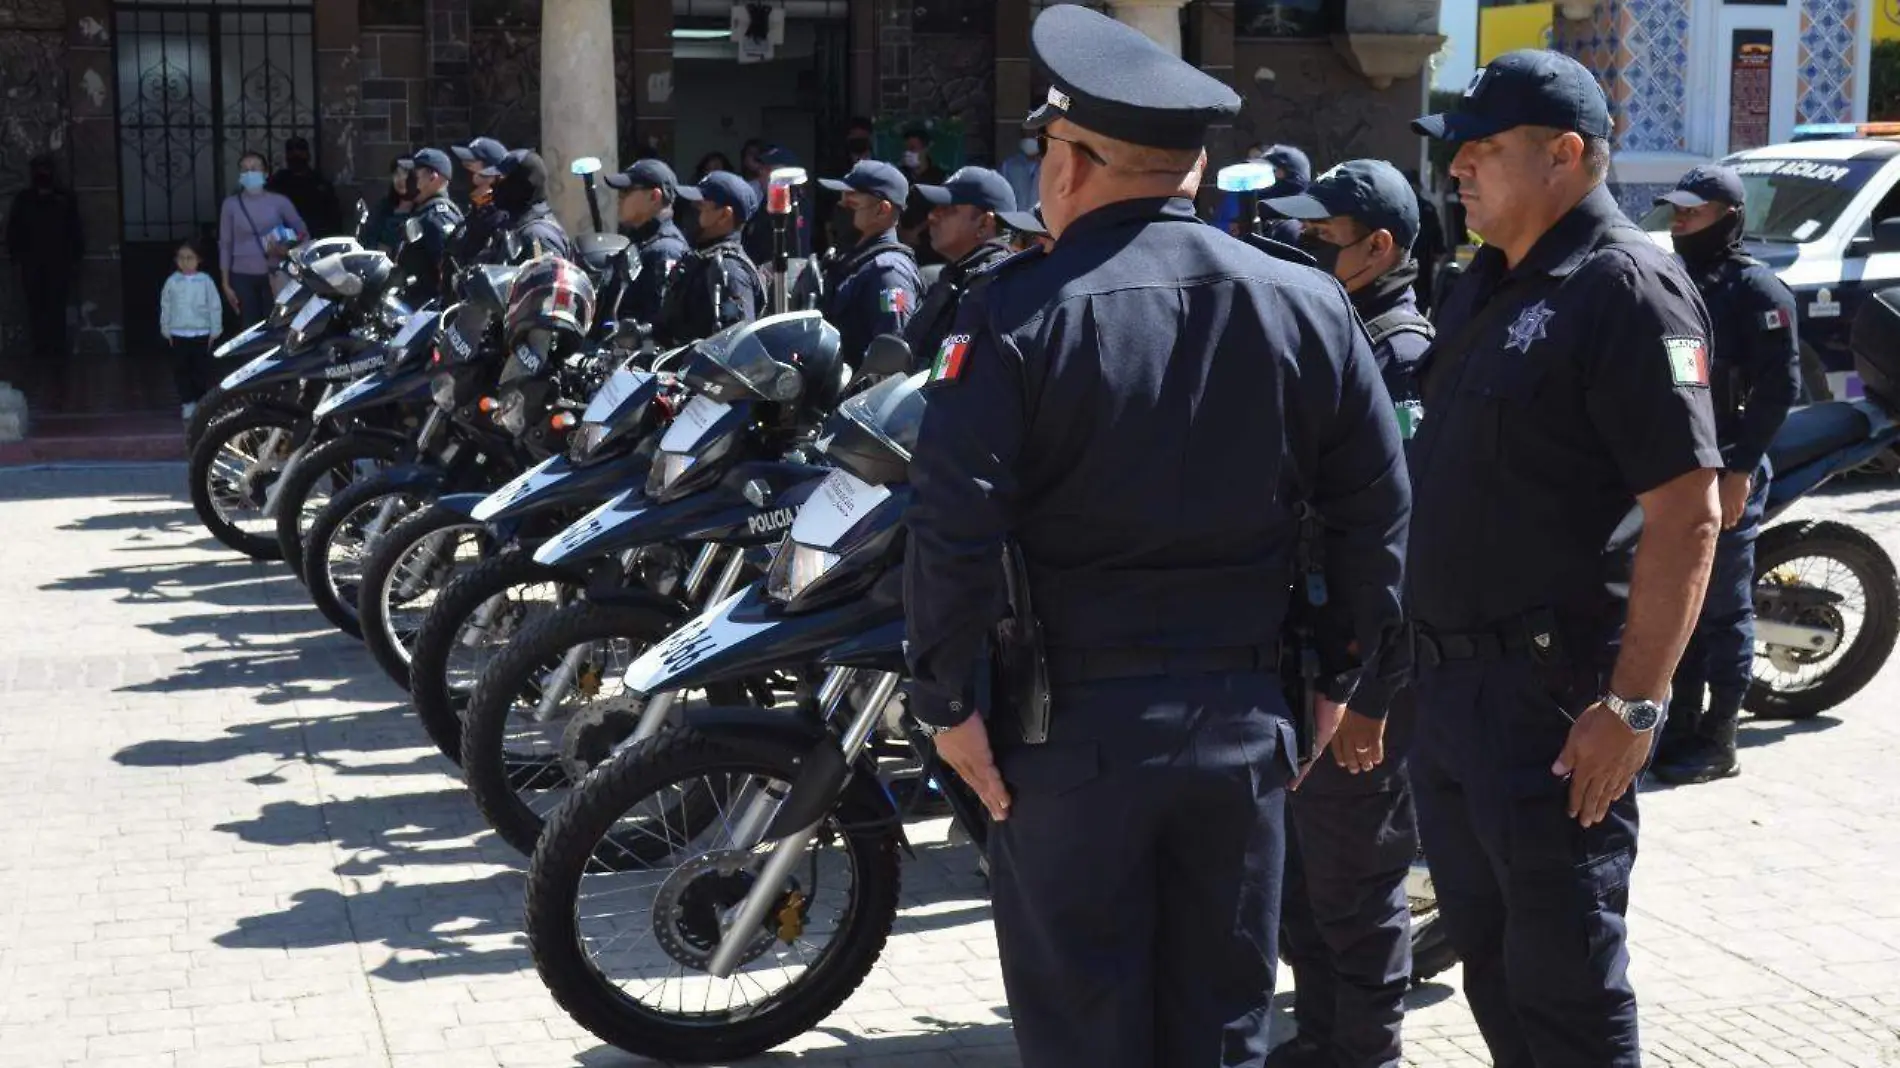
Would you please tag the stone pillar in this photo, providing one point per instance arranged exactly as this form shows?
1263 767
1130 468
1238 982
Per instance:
1012 74
95 380
1211 26
446 28
339 43
1159 19
577 101
864 20
652 79
893 58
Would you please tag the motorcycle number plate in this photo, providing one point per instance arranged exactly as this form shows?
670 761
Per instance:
691 423
839 504
249 371
698 638
309 313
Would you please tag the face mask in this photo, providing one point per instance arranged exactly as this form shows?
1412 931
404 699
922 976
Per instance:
1328 253
411 186
251 181
1030 147
1711 244
913 160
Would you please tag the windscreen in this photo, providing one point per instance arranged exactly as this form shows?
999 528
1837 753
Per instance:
761 355
1789 200
891 411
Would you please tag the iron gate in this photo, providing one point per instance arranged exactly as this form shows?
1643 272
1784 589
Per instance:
200 82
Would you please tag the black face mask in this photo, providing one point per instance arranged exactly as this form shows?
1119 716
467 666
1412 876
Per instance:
1706 246
514 192
411 186
844 231
1325 251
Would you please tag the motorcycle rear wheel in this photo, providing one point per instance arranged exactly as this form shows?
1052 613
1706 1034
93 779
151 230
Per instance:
1870 566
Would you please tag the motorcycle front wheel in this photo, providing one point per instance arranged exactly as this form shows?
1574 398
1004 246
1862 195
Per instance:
325 472
624 944
232 470
405 574
1835 578
342 537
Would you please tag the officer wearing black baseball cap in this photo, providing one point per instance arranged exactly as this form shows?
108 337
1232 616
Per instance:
1569 385
440 217
648 189
871 288
1345 922
521 192
1095 406
718 285
480 221
965 225
1756 377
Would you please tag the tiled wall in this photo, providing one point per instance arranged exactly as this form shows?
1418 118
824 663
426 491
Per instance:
1825 80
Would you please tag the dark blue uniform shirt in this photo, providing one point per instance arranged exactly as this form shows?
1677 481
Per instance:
934 318
662 249
717 286
538 225
1757 355
423 260
1554 395
1138 409
869 291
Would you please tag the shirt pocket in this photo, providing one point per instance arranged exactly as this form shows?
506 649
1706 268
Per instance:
1504 388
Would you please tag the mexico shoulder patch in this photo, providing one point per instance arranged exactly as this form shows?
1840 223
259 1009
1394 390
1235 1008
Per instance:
896 301
952 356
1688 360
1775 319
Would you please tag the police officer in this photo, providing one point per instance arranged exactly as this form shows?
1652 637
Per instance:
1756 377
1292 171
482 218
1345 920
1135 411
422 259
1568 384
521 192
648 190
718 285
965 222
1026 230
872 288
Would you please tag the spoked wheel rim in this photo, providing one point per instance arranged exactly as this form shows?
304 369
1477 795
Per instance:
420 575
332 482
536 738
349 547
482 637
1788 671
648 905
239 478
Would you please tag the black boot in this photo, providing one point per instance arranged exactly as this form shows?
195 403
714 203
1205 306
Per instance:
1299 1052
1714 756
1679 739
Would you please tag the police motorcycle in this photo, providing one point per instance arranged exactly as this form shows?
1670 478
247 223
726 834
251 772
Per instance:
715 890
726 479
336 335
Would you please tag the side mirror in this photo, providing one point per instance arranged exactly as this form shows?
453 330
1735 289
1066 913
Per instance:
1887 235
886 355
584 166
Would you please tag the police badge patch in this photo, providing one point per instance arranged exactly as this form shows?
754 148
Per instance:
1529 327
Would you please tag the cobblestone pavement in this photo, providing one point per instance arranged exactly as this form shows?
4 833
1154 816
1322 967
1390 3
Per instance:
228 845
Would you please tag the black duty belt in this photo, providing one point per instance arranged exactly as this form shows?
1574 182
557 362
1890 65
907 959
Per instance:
1068 667
1534 634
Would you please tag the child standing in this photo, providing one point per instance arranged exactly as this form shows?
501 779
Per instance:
189 319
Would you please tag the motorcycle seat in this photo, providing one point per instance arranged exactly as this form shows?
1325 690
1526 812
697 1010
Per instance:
1815 430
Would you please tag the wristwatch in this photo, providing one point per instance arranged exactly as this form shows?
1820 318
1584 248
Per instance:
1640 715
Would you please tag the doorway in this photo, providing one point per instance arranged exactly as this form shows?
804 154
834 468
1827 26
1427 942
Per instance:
199 84
1756 55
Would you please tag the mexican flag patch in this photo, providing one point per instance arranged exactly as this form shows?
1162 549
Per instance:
1688 360
1775 319
952 356
896 301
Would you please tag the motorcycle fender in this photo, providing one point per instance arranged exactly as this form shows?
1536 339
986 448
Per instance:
460 503
824 780
740 637
637 597
424 477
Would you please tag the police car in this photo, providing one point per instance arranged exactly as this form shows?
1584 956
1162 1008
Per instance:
1824 212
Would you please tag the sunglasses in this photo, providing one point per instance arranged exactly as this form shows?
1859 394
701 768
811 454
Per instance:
1081 147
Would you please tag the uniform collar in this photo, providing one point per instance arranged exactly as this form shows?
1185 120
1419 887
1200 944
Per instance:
1565 246
733 238
888 237
980 255
1123 211
661 224
441 195
1391 290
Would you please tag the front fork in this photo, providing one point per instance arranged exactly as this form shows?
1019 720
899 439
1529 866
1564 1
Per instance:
272 495
386 512
740 925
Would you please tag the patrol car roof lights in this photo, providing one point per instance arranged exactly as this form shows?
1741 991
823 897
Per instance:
1245 177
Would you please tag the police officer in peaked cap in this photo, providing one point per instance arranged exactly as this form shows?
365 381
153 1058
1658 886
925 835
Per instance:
648 190
1569 384
1345 920
966 214
1137 414
1755 377
872 288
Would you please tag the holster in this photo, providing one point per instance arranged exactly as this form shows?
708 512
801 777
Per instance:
1022 664
1299 674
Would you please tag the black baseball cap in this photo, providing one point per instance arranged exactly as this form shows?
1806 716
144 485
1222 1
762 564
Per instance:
1707 184
486 149
513 161
435 159
1528 87
976 186
646 174
725 189
874 177
1109 77
1371 191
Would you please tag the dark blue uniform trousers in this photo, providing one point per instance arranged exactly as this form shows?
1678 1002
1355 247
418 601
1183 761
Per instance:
1137 880
1721 653
1534 902
1345 924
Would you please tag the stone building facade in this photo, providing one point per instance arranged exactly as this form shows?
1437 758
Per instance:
146 104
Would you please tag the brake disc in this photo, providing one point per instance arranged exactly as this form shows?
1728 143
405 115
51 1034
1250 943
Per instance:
594 732
694 900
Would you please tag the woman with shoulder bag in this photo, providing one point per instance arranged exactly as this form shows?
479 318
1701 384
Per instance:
248 252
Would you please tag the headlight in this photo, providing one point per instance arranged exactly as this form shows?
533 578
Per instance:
442 389
582 443
512 413
668 468
795 567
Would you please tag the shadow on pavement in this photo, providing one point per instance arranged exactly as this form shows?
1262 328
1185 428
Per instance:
978 1045
234 583
170 519
385 833
1755 732
297 741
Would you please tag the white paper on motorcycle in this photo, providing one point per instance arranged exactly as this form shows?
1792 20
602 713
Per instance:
617 389
691 424
839 504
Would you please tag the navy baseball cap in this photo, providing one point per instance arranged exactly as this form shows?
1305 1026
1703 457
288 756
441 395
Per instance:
1109 77
1704 185
1025 222
976 186
874 177
1371 191
519 159
436 160
1528 87
486 149
727 190
1292 160
646 174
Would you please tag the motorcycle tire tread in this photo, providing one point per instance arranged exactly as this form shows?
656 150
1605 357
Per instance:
205 455
377 571
1879 629
597 1004
294 497
316 556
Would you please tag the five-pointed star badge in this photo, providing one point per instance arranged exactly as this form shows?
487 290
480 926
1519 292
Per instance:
1529 327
